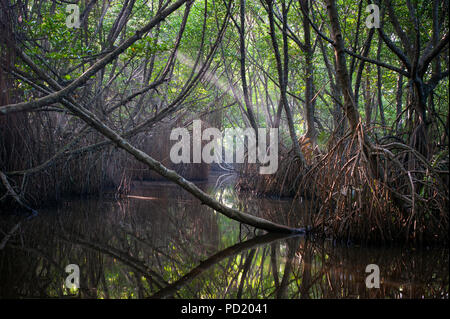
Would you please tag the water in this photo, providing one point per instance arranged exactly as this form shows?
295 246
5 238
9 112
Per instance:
161 242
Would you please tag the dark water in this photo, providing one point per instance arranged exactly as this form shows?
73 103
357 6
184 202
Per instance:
162 243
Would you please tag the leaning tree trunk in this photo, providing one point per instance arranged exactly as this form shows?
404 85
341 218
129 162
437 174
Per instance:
171 175
90 119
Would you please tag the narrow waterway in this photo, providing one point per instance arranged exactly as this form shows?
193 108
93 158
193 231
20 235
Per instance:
161 242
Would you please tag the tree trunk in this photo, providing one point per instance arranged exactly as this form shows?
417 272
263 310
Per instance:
379 86
283 77
171 175
368 101
13 127
398 100
341 67
247 100
311 132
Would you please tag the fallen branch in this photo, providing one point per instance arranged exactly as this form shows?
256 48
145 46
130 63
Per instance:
10 191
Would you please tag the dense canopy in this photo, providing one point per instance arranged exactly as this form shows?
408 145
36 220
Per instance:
358 91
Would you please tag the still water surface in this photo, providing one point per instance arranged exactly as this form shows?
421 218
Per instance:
160 242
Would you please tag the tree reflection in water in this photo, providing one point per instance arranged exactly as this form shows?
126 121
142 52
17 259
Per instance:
162 243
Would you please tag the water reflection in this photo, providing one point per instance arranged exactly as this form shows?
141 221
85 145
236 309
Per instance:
162 243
